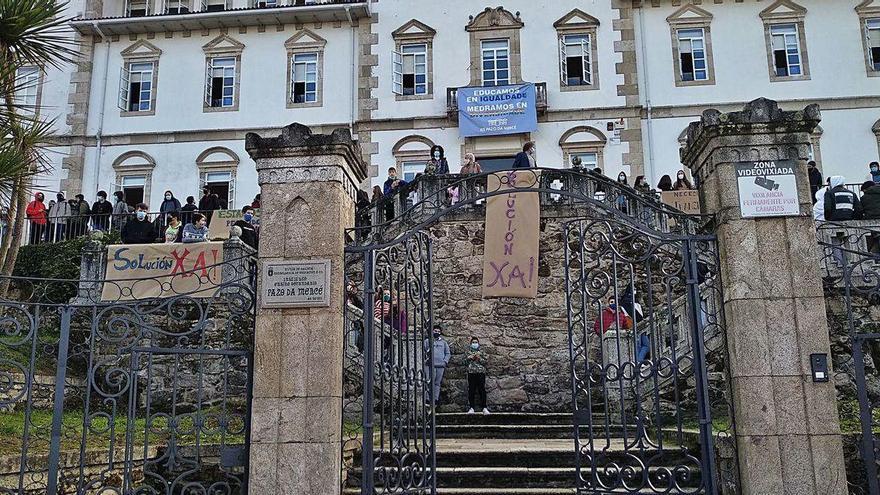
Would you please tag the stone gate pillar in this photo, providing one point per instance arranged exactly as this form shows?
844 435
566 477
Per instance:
787 427
308 186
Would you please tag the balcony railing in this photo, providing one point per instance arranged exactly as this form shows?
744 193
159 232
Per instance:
540 98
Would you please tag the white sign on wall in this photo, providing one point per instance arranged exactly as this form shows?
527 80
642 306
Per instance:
296 284
768 188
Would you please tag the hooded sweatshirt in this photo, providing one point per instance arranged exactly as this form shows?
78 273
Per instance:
871 203
169 205
840 203
819 207
36 211
191 233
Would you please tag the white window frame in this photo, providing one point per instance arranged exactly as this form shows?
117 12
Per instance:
496 79
181 6
125 76
209 80
145 3
590 164
260 4
686 45
229 178
586 46
408 54
206 4
872 24
27 88
397 73
789 40
310 62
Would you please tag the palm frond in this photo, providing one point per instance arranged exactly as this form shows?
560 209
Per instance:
33 32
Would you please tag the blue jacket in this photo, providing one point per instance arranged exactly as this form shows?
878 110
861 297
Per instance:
522 160
387 189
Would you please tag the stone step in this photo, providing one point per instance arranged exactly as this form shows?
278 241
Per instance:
527 431
505 418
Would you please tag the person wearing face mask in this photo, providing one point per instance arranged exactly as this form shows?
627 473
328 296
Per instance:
140 230
476 361
611 318
79 222
874 172
642 185
197 231
437 165
101 211
621 198
37 218
187 210
391 187
681 182
441 359
526 157
246 224
169 205
59 214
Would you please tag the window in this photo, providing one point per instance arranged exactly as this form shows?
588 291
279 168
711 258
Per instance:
136 87
589 160
692 55
495 58
134 187
137 8
411 70
214 5
576 56
27 85
304 78
176 6
786 50
872 37
223 185
220 85
265 3
409 170
584 142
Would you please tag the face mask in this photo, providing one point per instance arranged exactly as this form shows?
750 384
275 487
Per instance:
100 199
475 346
248 217
141 215
612 306
392 177
168 196
436 155
436 335
875 169
621 179
386 297
680 176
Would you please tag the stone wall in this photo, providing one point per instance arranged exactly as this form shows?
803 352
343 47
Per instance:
526 340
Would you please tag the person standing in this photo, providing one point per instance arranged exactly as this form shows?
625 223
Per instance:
840 203
870 200
815 177
187 210
437 165
59 215
169 205
470 165
197 231
101 211
79 221
526 157
37 217
121 210
665 184
392 186
819 204
476 361
441 359
246 224
140 230
257 202
208 204
642 185
681 182
874 169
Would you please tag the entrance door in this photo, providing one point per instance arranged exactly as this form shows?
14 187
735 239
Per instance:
643 314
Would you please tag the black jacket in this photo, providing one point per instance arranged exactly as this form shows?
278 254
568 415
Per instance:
139 232
209 203
186 213
815 178
871 203
522 160
248 233
842 204
101 214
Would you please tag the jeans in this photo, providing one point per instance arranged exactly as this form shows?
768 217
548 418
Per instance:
477 390
643 347
438 379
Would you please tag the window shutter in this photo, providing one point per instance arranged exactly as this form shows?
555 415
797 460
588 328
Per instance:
397 76
585 60
124 86
208 70
564 67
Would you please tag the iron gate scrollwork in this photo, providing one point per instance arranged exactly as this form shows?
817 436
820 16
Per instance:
130 396
644 313
389 337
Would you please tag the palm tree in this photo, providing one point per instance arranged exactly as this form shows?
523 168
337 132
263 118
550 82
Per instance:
33 33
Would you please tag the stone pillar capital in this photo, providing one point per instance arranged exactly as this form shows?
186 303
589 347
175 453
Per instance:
298 156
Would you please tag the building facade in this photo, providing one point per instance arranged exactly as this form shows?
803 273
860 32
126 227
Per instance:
167 89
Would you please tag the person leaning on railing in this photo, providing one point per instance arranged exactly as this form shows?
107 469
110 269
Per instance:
140 230
197 231
101 211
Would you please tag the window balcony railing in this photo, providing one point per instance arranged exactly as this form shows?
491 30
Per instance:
540 98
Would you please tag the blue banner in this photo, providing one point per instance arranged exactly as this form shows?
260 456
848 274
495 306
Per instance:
497 110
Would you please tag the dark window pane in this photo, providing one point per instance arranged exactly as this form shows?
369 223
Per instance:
138 12
780 62
134 96
875 57
409 84
687 65
216 8
299 92
575 71
217 92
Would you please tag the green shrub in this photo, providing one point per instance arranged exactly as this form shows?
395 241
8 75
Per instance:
60 260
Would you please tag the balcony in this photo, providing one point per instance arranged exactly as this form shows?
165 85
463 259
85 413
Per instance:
194 15
540 99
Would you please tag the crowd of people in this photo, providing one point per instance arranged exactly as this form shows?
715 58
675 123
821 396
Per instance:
64 219
833 201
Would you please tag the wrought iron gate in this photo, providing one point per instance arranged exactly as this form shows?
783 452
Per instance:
391 339
141 396
644 313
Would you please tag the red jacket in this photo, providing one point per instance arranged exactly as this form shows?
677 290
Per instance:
36 212
606 319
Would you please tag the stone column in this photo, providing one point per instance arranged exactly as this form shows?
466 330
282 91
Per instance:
308 192
787 427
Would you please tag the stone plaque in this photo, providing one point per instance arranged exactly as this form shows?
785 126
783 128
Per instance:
768 188
296 284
